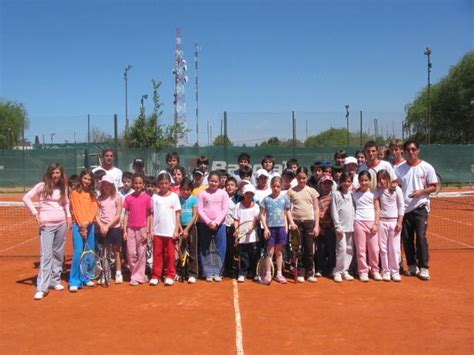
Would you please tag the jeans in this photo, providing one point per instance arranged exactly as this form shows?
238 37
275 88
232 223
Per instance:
415 223
205 234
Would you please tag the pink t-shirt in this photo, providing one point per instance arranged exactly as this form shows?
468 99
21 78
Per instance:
108 210
137 207
213 206
52 209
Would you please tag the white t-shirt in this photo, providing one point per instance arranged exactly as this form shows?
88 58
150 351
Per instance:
381 165
114 172
164 214
364 205
416 177
242 214
261 194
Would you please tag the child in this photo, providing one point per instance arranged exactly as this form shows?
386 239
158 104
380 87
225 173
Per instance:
198 181
326 240
150 185
203 163
98 174
383 152
231 189
360 156
396 150
262 188
305 214
172 160
108 222
366 223
276 219
342 213
84 212
138 166
245 175
243 161
293 165
189 217
178 174
223 179
53 218
287 177
268 164
126 188
137 227
247 210
339 157
316 173
73 181
392 210
166 228
212 209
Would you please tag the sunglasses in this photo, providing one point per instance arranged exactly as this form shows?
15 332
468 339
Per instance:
411 149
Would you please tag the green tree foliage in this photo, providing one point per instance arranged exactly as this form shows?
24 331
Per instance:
13 119
277 142
147 132
452 113
337 137
221 140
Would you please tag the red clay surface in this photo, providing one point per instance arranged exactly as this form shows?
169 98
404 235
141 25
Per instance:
410 317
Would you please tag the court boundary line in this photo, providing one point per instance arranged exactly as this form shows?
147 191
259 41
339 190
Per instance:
238 320
451 240
452 220
17 245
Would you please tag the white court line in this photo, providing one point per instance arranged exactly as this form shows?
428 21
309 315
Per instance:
452 220
238 321
452 240
17 245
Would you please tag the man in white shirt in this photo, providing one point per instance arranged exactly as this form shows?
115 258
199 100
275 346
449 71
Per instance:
374 164
417 179
108 157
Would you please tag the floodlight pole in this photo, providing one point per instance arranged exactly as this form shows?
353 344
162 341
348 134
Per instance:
428 54
125 77
347 119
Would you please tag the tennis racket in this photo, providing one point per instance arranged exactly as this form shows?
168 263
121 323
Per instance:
295 244
243 230
88 262
104 272
212 259
183 260
262 265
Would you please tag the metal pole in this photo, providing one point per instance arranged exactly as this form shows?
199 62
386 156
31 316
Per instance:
88 128
225 136
428 133
116 138
361 128
347 119
197 92
125 77
294 132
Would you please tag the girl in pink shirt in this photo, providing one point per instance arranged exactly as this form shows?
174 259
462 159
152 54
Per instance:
391 218
212 208
54 218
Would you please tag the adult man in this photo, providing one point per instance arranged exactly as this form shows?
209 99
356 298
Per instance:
417 179
374 163
396 149
108 157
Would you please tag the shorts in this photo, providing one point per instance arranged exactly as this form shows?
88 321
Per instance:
278 235
113 237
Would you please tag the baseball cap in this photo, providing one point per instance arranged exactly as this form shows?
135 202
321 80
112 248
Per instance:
350 160
198 171
261 172
326 164
107 178
248 188
138 161
325 178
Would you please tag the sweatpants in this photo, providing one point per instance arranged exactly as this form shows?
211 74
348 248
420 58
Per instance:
389 242
136 252
415 223
52 242
344 253
367 246
164 257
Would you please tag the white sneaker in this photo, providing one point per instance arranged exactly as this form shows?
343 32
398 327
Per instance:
217 278
347 276
58 287
169 282
118 278
386 276
312 279
318 274
73 288
377 276
337 277
424 274
90 284
300 279
39 295
241 278
153 282
209 279
396 277
364 277
134 283
191 280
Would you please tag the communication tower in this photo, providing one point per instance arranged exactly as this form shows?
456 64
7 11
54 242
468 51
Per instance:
180 69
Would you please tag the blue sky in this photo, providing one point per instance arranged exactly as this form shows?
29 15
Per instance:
259 60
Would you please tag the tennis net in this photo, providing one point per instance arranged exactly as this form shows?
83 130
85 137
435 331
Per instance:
451 225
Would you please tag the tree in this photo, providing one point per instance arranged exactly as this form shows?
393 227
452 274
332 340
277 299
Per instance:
99 136
13 120
221 140
333 137
146 132
452 118
271 142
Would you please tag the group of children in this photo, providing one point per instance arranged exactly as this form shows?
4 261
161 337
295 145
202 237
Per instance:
346 228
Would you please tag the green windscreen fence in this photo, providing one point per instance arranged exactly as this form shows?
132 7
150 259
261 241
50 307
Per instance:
24 168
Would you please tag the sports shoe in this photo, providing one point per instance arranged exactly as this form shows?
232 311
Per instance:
144 281
318 274
347 276
337 277
312 279
118 278
424 274
217 278
241 278
90 283
257 278
191 280
169 282
364 277
58 287
413 270
377 277
73 288
39 295
300 279
209 279
154 282
396 277
281 279
386 276
134 283
267 280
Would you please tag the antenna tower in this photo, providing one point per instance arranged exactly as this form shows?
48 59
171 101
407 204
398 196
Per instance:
179 71
196 61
